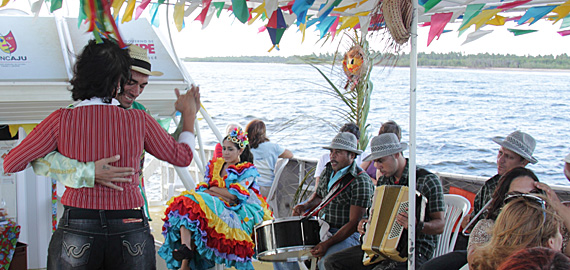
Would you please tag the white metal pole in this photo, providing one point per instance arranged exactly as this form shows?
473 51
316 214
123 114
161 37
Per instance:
412 167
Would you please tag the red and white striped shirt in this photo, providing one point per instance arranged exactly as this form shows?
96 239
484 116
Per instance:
90 133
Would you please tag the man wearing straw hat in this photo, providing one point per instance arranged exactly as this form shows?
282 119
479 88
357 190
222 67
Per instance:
388 158
515 151
350 190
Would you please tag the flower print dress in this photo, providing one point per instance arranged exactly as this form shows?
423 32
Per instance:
221 231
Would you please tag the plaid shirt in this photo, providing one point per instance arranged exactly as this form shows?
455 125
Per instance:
359 193
484 194
430 187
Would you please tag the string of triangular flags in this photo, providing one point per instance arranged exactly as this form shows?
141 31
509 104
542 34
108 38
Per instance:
329 17
478 15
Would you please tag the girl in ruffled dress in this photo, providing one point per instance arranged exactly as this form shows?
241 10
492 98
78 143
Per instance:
214 223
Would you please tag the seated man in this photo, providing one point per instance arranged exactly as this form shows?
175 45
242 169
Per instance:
353 189
388 158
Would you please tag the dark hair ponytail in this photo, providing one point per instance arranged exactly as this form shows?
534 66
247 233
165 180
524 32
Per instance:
246 155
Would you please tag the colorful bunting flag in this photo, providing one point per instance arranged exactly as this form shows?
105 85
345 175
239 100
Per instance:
564 33
513 4
519 32
240 10
498 20
300 8
476 35
438 23
429 4
470 12
535 13
562 11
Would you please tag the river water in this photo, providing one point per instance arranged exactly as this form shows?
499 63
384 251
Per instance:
458 110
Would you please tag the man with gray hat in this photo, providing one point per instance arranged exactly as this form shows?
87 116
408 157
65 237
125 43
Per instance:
515 151
388 158
350 190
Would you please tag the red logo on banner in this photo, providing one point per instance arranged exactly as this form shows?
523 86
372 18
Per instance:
8 43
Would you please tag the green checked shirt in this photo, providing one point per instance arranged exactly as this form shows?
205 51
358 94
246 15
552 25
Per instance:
484 195
429 186
359 193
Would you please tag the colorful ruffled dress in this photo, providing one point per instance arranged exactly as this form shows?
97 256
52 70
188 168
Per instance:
223 233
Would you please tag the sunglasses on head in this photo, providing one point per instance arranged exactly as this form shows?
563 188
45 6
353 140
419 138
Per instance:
529 197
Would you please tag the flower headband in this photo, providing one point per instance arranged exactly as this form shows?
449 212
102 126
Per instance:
239 137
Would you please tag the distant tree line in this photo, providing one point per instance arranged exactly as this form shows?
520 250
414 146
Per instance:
452 59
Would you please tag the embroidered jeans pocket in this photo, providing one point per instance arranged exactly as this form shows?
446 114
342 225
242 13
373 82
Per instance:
138 250
75 249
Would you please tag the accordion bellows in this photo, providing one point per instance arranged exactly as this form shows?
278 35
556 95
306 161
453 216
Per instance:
383 238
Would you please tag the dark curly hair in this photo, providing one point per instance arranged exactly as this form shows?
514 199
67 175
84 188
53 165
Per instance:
99 69
503 187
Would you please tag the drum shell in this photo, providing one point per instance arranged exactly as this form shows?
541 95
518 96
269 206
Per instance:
286 239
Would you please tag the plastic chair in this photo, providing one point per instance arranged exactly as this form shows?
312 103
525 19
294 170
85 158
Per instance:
456 208
272 198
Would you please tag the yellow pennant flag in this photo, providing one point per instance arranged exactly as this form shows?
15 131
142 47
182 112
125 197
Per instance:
562 11
4 2
481 19
342 9
179 15
259 10
303 27
498 20
128 15
117 4
348 22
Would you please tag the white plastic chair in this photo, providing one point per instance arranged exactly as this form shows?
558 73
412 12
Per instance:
272 198
456 208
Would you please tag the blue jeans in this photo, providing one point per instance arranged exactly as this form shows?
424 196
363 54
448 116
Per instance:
101 244
352 240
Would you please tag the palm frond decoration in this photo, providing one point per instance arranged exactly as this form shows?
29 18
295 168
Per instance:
356 87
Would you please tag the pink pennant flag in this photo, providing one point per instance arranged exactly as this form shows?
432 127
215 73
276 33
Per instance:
513 18
332 30
261 29
564 33
206 6
438 23
512 4
141 8
425 24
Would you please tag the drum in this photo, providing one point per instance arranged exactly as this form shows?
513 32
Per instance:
286 239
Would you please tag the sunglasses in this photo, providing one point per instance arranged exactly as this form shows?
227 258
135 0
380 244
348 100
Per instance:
529 197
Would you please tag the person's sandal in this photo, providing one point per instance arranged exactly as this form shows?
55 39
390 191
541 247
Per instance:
183 253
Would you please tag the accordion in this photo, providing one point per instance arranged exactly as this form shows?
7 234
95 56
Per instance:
383 238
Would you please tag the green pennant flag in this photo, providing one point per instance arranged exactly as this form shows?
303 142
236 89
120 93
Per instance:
519 32
55 5
470 12
430 4
565 22
219 6
240 10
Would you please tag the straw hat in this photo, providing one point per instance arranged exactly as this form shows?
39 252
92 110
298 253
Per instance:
398 18
344 141
141 63
520 143
384 145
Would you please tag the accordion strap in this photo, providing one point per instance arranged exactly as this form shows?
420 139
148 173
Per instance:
337 188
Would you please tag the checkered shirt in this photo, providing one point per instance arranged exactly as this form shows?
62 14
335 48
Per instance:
359 193
430 187
484 194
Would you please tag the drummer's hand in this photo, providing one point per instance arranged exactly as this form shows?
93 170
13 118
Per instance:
298 210
361 225
320 249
